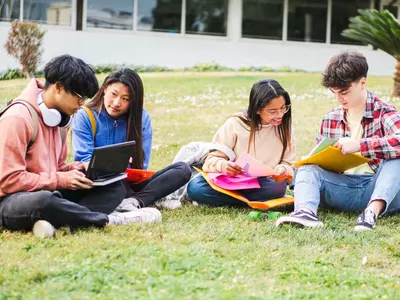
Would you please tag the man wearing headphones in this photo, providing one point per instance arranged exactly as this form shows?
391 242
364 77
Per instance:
38 190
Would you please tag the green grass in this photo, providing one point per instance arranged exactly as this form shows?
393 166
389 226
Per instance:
203 253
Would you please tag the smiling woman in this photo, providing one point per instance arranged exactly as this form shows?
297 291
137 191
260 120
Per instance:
119 114
271 115
118 103
264 131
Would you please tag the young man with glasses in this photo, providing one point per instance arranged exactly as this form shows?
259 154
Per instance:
38 189
362 124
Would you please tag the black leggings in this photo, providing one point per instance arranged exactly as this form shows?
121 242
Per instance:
161 184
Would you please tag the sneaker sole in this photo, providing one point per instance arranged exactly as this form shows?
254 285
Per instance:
298 223
155 212
359 228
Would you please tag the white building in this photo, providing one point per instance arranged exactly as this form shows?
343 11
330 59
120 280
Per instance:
299 34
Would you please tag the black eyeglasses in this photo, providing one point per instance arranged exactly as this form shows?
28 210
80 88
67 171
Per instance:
82 99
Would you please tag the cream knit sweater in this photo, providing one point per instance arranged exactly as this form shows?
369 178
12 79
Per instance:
267 146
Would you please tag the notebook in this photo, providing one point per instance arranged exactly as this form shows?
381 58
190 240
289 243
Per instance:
331 158
108 163
322 145
260 205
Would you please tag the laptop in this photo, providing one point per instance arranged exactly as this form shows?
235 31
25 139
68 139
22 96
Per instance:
109 163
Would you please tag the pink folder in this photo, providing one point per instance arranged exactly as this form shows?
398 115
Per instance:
239 182
254 167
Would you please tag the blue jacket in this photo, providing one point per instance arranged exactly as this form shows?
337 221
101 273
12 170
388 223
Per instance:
108 132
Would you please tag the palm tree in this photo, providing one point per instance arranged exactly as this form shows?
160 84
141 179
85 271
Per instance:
381 30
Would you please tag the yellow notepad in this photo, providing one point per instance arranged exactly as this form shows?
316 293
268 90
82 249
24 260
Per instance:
332 159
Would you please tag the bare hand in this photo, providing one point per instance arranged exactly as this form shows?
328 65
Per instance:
348 146
281 174
82 166
76 180
231 169
280 170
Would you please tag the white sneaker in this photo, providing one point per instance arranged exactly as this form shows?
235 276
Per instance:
168 203
43 229
128 204
143 215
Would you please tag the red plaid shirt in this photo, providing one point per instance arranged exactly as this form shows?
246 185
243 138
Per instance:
381 130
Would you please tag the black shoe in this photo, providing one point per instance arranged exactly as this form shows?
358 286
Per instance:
366 221
302 218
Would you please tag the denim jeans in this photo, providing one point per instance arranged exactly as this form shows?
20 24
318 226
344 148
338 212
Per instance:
350 193
80 208
161 184
201 192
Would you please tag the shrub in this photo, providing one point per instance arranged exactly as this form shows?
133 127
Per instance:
208 67
109 68
24 43
12 74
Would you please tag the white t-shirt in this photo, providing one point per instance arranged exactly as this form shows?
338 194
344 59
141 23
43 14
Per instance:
356 129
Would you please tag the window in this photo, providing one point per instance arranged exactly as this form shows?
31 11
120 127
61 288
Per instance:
307 20
53 12
262 19
159 15
342 10
206 16
394 10
9 10
116 14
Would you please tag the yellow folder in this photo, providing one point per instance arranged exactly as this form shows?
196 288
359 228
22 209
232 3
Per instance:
332 159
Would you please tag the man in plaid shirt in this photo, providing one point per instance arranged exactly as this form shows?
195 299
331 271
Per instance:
361 124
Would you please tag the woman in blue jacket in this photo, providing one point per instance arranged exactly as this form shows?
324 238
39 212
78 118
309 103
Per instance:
119 116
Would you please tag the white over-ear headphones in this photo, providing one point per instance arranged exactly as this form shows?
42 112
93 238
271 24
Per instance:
51 116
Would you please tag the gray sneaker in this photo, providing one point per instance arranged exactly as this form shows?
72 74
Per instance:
128 204
143 215
43 229
301 218
168 203
366 221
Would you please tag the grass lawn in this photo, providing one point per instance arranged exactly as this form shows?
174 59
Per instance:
203 253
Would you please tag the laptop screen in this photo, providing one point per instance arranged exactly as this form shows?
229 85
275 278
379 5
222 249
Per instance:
109 160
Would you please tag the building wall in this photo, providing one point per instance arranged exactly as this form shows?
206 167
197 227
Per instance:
102 46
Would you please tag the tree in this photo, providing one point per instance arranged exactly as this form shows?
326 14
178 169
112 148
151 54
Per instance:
24 43
381 30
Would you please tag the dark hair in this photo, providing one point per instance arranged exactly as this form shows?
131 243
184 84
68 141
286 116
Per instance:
344 69
134 123
261 94
73 74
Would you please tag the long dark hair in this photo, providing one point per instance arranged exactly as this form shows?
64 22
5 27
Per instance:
261 94
134 119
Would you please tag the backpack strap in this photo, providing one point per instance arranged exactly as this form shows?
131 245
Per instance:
92 120
34 115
